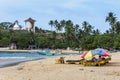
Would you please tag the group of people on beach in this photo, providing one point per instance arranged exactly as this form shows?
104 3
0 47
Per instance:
94 59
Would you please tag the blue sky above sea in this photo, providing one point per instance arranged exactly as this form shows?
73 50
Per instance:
92 11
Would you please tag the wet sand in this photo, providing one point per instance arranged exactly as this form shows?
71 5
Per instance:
15 61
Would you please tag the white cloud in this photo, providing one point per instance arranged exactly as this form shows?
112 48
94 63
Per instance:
73 4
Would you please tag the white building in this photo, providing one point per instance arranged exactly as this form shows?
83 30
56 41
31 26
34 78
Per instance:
16 26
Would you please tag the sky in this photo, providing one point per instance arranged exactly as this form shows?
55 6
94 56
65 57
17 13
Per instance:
92 11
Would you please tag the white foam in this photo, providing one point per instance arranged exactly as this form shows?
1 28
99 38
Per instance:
12 57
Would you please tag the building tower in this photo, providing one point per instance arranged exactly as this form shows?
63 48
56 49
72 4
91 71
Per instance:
31 27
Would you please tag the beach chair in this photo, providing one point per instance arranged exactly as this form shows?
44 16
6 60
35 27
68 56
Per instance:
91 63
108 59
81 61
103 61
99 63
75 61
88 63
72 61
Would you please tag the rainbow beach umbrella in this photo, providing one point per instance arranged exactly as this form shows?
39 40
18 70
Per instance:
89 54
102 52
82 56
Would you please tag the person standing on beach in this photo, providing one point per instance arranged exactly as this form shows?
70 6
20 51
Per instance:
62 60
79 50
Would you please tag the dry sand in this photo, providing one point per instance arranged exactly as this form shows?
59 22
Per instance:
46 69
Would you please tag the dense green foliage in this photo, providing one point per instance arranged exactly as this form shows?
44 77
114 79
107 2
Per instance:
67 34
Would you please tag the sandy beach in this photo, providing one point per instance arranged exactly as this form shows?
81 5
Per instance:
46 69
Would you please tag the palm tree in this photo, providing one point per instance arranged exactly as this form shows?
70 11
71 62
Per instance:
87 28
95 32
84 24
51 23
117 27
87 31
69 30
112 21
56 25
77 28
76 32
62 22
107 31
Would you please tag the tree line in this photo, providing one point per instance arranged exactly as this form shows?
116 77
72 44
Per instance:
66 34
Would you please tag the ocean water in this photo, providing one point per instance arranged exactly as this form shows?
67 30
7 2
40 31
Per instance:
26 54
13 58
